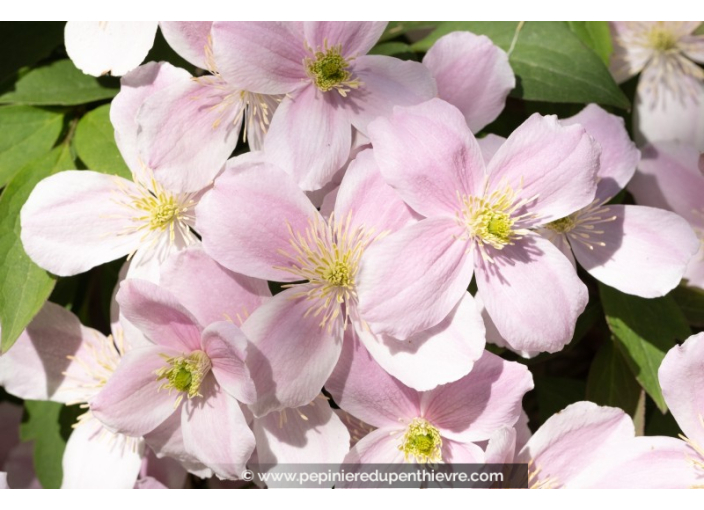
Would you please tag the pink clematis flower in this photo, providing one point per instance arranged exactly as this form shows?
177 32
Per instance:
205 369
440 425
681 376
479 220
670 96
637 250
76 220
472 74
102 47
668 177
330 84
590 446
272 231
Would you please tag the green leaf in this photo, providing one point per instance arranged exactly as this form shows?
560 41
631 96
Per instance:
397 28
699 30
596 35
550 62
30 41
556 393
691 301
42 423
95 143
24 286
611 382
645 329
60 83
27 133
392 48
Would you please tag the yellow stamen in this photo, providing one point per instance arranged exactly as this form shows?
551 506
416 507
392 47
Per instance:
421 442
328 70
184 374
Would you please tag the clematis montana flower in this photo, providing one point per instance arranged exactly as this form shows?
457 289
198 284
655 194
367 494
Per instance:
668 177
330 84
440 425
637 250
196 372
256 221
589 446
681 377
102 47
76 220
479 220
670 95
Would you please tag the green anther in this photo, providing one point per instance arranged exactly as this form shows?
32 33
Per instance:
662 40
563 225
329 70
184 374
181 379
422 442
499 226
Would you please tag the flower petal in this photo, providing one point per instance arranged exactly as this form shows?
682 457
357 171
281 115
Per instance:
554 165
355 37
427 153
291 355
409 281
102 47
378 447
216 432
362 388
167 442
533 266
441 354
159 315
645 251
131 402
264 57
189 39
480 403
71 222
628 59
226 346
248 218
472 74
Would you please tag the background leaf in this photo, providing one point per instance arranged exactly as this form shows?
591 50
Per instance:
27 133
27 42
611 382
60 83
691 302
95 143
550 62
24 286
397 28
596 35
645 329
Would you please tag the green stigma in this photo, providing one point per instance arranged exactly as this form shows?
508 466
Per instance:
421 442
563 225
184 374
329 70
662 40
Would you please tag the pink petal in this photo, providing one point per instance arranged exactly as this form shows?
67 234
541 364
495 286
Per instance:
427 153
264 57
102 47
531 267
371 203
216 432
385 82
681 377
151 79
291 355
226 346
501 448
61 236
645 252
693 47
492 333
483 401
3 481
571 443
93 461
619 156
309 137
149 483
208 290
355 37
188 131
489 145
365 390
552 164
441 354
132 403
167 442
628 59
410 280
308 434
53 359
694 274
472 74
159 315
189 39
454 452
378 447
246 217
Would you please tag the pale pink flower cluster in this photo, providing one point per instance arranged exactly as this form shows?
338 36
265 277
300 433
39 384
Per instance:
368 196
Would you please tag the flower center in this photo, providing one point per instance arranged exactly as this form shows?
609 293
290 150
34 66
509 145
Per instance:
327 256
662 39
328 70
563 225
184 374
421 442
